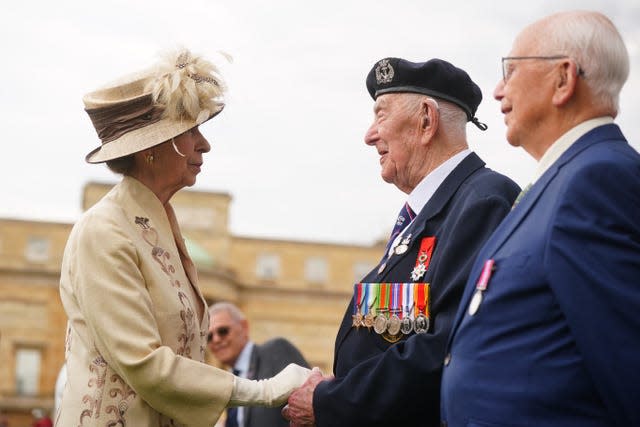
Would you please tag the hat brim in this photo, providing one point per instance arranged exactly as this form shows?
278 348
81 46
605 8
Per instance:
144 138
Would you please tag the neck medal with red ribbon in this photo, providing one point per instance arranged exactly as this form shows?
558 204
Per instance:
427 244
481 286
421 297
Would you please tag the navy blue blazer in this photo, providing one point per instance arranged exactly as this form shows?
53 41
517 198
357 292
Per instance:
401 386
556 339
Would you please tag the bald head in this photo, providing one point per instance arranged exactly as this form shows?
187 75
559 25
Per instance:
594 43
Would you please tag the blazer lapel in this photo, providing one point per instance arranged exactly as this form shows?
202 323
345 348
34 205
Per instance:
436 204
520 212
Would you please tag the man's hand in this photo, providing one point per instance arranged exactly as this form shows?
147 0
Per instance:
299 410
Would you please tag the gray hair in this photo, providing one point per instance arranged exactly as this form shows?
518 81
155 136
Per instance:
593 41
452 117
236 314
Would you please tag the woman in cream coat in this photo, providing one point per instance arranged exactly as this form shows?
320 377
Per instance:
137 321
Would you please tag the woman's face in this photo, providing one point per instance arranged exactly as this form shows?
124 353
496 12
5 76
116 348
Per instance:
177 162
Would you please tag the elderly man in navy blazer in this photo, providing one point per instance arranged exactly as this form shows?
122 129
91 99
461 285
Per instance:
548 331
387 374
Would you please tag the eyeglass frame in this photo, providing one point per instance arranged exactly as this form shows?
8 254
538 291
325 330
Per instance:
221 331
537 58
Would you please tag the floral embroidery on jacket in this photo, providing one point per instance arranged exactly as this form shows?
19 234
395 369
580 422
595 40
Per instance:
125 393
99 368
163 258
188 325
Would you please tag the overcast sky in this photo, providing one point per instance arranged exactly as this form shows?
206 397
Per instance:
289 146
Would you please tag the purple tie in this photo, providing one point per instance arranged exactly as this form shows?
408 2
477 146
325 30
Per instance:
405 216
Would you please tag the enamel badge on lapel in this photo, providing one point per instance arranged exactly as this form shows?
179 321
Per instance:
424 258
403 246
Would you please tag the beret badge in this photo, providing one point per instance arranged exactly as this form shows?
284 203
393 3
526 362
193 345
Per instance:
384 72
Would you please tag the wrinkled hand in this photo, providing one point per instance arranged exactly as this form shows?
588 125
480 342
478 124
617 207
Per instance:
299 410
271 392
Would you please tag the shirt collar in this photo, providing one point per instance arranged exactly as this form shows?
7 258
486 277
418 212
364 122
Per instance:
563 143
430 183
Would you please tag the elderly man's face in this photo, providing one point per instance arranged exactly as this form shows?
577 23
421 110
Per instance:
227 337
394 133
526 91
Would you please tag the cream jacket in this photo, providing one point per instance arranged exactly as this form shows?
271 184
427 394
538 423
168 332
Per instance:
137 320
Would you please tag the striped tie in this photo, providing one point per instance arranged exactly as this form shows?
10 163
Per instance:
405 216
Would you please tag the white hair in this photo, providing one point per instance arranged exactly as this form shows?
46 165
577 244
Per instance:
593 41
452 117
236 314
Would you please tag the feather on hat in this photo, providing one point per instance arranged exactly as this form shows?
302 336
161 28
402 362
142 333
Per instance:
147 108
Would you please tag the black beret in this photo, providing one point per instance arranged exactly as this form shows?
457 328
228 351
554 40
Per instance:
436 77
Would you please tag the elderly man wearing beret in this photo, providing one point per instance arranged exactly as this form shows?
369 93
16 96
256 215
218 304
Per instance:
390 347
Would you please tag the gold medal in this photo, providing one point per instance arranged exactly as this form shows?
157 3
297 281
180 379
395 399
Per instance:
368 320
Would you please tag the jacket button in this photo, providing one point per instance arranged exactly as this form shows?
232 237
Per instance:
447 359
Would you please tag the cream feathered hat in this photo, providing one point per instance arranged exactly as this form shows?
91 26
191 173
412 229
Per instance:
147 108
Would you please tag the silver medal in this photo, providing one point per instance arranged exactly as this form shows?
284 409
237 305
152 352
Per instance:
406 325
475 303
380 324
400 249
382 267
393 325
421 324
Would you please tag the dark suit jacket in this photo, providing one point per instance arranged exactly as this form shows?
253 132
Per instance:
267 360
380 384
556 340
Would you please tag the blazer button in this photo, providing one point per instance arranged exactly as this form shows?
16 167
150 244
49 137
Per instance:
447 359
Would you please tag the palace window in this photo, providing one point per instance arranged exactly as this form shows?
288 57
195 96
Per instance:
316 270
268 266
28 362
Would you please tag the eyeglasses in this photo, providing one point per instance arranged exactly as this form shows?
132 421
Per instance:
222 332
507 69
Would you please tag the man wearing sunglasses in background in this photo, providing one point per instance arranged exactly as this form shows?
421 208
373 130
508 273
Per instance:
229 342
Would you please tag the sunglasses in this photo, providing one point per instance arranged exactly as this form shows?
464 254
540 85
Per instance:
222 332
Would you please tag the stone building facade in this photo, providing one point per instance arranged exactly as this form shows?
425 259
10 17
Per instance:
294 289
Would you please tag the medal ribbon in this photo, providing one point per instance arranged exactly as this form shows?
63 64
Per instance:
427 244
382 292
483 281
408 299
357 298
396 298
365 298
421 295
374 299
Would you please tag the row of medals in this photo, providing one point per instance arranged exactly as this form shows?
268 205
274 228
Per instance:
392 325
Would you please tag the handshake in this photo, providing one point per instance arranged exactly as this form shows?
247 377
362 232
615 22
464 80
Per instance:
294 383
